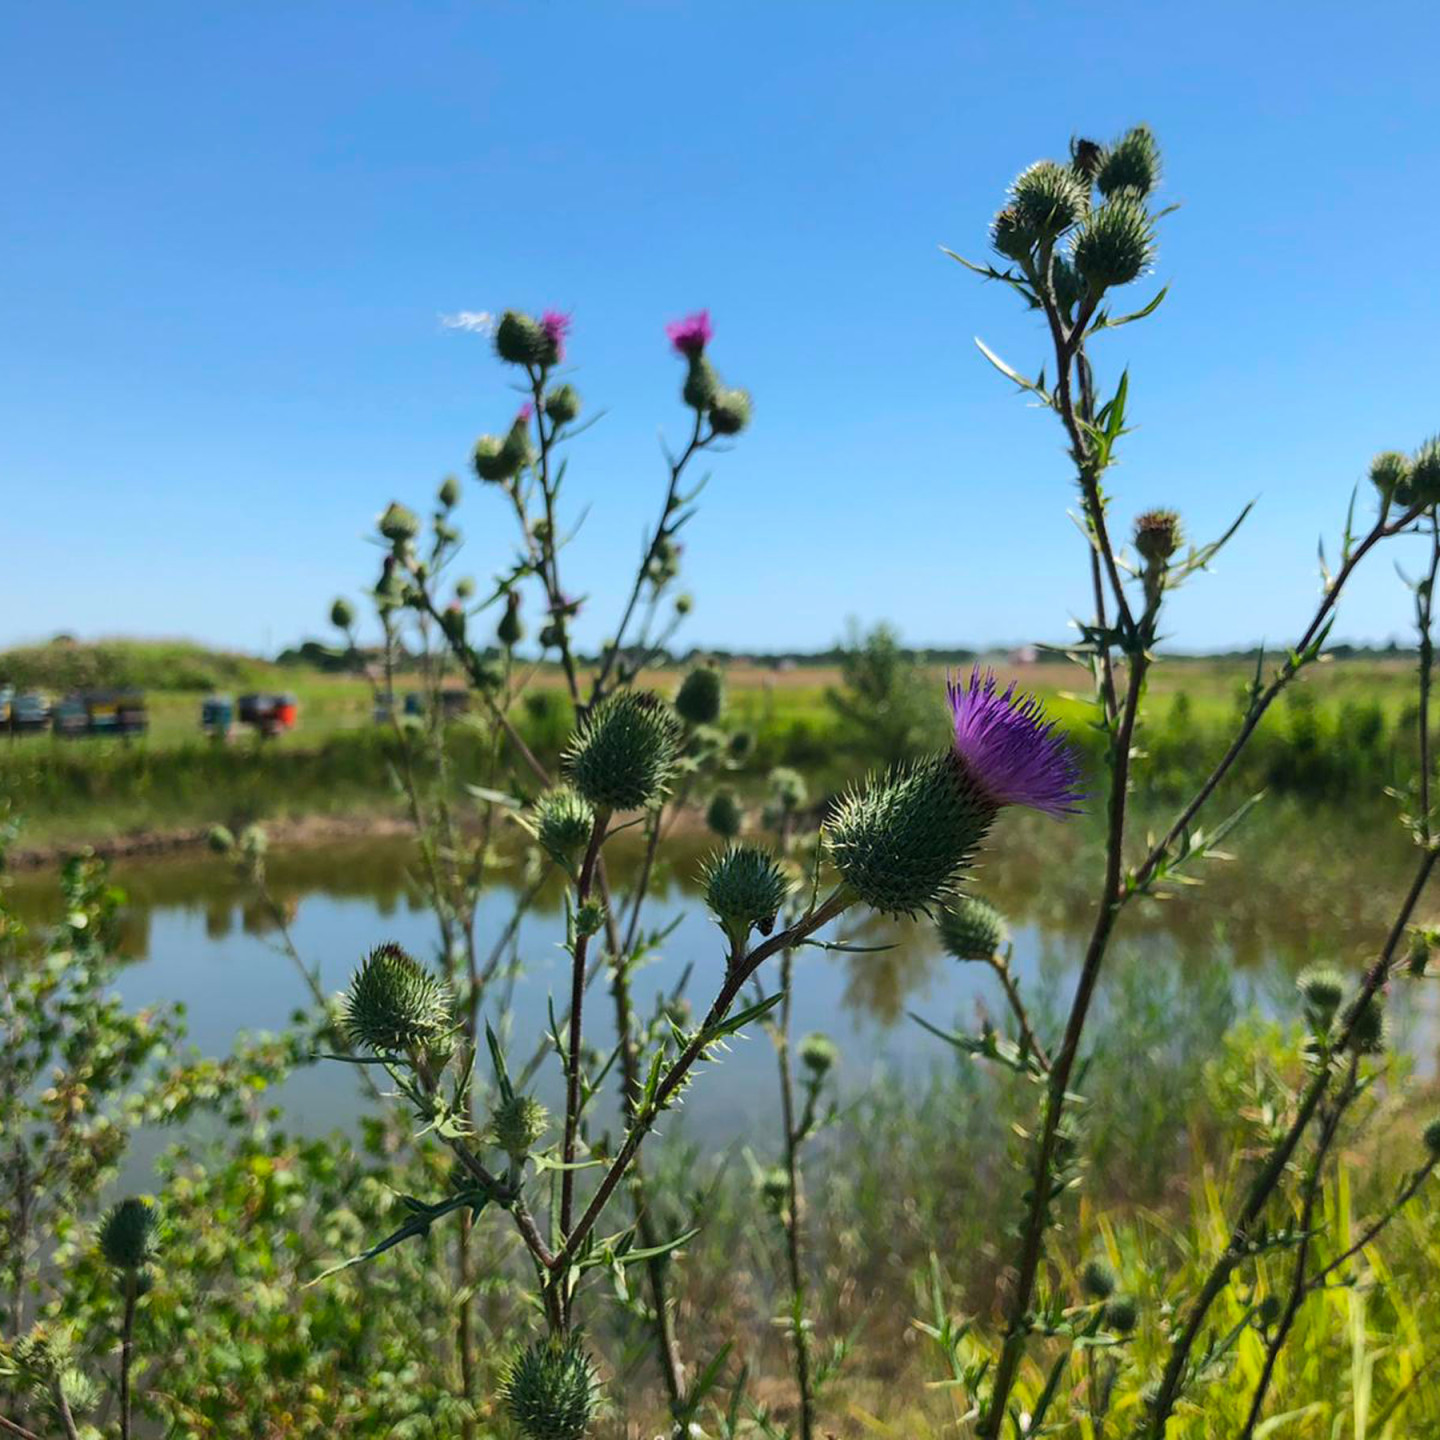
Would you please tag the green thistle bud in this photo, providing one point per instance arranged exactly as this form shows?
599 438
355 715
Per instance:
1268 1311
730 413
552 636
511 629
1049 198
774 1187
684 604
342 614
562 404
1157 535
1085 157
487 674
971 928
1425 473
702 384
1065 280
742 742
1323 989
398 524
220 839
1122 1314
818 1054
254 842
517 450
464 588
492 460
900 840
517 1123
1390 475
724 815
1097 1280
1011 235
521 340
789 789
623 756
395 1004
563 824
744 888
589 917
1431 1137
1114 243
701 696
1417 962
449 492
551 1391
1369 1026
1131 166
129 1234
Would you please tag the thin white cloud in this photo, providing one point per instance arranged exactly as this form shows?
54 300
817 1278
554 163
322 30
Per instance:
477 322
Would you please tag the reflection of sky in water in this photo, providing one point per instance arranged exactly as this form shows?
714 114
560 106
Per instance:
199 940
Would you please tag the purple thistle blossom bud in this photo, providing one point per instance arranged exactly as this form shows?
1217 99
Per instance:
1010 750
691 335
556 325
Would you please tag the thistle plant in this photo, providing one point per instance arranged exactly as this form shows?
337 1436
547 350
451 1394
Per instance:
129 1243
1070 237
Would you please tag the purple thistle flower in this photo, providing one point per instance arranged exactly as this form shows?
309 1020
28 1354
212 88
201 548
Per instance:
556 325
1010 750
691 335
525 412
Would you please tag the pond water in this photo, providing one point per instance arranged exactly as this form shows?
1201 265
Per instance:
1314 886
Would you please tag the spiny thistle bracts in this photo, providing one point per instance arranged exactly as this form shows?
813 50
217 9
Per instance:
1157 535
563 823
520 339
129 1233
745 887
971 928
517 1123
623 756
1322 987
398 524
730 411
395 1004
1114 243
551 1391
818 1054
562 404
1131 166
1097 1280
342 614
1048 199
789 788
701 696
724 814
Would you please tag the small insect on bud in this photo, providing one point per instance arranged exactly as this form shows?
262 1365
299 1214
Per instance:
701 696
1114 243
1122 1314
521 340
398 524
394 1004
342 614
623 756
818 1054
129 1233
220 839
1157 535
1085 157
1431 1137
551 1391
562 404
971 928
1049 199
724 815
745 887
511 629
1097 1280
1425 473
1131 166
517 1123
449 493
730 413
563 823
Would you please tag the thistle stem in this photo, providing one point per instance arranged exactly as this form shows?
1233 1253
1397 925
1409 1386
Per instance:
127 1345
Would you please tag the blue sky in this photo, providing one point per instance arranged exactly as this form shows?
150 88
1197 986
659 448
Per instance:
230 232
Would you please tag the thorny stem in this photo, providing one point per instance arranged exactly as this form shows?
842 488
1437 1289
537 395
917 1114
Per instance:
127 1346
1275 1166
1310 1190
799 1330
742 967
1028 1038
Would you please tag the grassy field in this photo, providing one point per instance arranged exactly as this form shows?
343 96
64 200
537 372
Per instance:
1345 726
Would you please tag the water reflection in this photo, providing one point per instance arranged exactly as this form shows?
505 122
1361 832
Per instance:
1313 886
